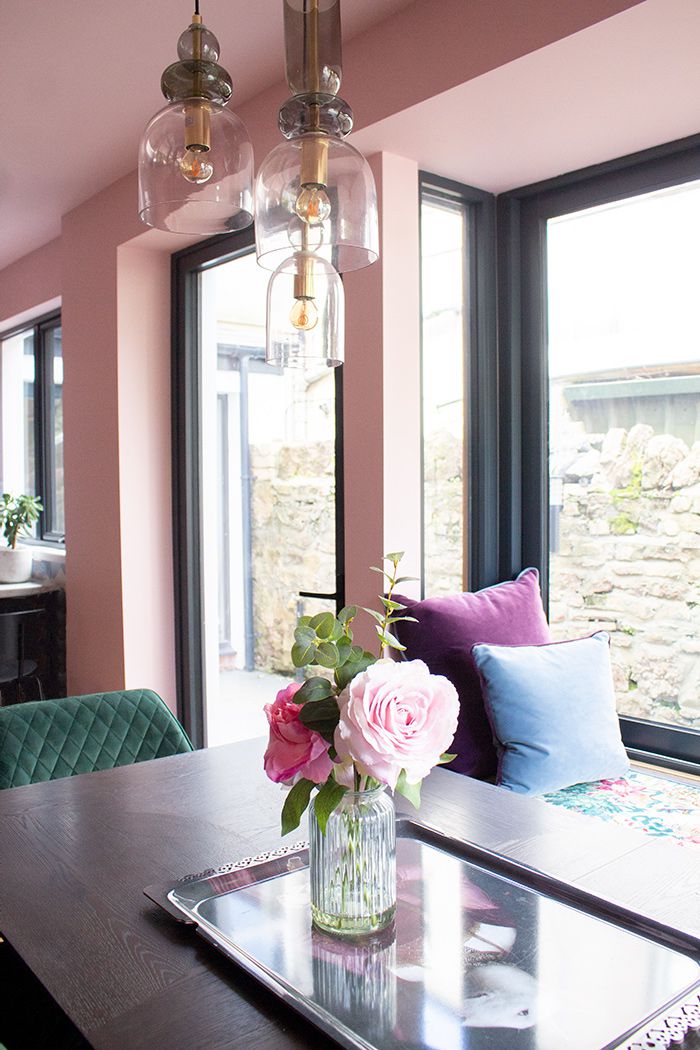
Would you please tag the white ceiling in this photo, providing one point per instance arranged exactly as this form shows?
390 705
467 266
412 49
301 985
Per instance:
79 79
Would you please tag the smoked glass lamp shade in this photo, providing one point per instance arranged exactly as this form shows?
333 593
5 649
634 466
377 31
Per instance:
348 238
222 201
319 20
321 343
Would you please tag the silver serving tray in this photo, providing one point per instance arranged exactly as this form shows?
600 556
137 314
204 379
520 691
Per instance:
485 954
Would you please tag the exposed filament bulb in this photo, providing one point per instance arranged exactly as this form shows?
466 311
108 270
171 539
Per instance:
304 314
195 167
312 205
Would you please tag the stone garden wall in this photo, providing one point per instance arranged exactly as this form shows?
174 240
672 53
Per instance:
293 541
628 556
628 561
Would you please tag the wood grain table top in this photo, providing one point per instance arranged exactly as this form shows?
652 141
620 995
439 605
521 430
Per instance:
76 855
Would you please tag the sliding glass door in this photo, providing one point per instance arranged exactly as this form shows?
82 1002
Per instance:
263 474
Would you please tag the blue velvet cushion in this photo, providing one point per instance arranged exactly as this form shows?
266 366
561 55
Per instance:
552 712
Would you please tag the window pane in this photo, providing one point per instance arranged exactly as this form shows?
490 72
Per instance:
443 261
624 367
54 498
18 406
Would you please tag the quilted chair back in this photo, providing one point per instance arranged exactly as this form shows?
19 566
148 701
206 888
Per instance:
49 739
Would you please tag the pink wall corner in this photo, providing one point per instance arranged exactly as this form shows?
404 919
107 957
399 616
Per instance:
145 470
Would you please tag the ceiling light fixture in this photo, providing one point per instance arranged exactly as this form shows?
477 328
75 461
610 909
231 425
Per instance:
315 198
195 169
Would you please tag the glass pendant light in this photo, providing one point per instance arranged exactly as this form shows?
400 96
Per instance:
305 313
314 190
195 169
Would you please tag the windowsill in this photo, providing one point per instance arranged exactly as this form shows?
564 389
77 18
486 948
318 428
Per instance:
46 551
23 590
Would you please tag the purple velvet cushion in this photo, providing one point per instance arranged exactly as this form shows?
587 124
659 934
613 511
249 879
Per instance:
506 614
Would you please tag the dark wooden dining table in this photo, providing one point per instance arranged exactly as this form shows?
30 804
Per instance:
76 855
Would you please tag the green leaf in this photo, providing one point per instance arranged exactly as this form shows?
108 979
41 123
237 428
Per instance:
405 579
303 654
328 797
327 655
323 624
409 791
375 568
390 605
347 614
443 759
395 557
401 619
305 635
393 643
295 804
379 617
344 647
312 690
303 621
353 666
322 716
338 632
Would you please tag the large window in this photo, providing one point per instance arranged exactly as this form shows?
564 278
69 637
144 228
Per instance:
602 437
31 377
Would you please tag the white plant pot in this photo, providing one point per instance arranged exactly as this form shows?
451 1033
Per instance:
15 565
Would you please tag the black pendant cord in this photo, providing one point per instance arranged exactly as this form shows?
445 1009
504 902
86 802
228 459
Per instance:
196 7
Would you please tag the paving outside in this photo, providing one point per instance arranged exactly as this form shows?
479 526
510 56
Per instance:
237 712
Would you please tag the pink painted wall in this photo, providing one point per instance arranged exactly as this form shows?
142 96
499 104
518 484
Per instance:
433 45
381 386
145 469
116 334
116 337
32 285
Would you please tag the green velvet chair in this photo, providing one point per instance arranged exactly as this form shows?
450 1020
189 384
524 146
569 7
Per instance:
49 739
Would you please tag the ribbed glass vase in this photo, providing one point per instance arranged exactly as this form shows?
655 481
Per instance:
353 865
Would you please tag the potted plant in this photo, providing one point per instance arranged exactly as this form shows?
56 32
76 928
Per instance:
17 514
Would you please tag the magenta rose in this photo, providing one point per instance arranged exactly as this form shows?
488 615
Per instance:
293 750
396 716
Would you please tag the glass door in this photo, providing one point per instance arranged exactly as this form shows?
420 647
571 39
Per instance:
267 492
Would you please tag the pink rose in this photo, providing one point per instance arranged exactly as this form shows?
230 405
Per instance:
292 748
396 716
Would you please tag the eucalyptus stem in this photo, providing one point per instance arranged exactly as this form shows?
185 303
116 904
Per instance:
387 614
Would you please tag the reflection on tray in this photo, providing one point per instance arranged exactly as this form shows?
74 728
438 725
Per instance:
474 960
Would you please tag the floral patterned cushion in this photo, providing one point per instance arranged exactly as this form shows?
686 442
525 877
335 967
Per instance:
659 806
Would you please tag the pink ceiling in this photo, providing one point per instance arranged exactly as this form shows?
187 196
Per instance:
79 81
624 84
77 92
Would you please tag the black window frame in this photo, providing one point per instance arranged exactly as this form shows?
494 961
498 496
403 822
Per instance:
44 446
523 537
186 267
